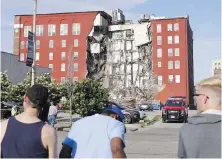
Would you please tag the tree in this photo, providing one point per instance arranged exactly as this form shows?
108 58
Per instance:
56 91
88 97
6 86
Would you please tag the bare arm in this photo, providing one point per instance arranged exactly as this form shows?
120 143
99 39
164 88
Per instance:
117 148
3 130
49 137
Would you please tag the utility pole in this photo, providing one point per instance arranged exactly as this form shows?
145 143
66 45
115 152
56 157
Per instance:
34 43
70 80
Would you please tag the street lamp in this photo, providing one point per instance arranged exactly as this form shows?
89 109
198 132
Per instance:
34 43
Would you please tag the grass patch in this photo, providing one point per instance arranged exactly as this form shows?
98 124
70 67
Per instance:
148 121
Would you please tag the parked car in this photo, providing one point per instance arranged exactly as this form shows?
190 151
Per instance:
145 107
156 107
130 115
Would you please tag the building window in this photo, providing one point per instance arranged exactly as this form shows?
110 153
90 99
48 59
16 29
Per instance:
63 29
170 65
169 27
75 79
159 52
170 39
170 79
22 57
63 43
22 45
177 64
170 52
177 51
51 66
177 79
39 30
51 30
76 42
159 40
160 80
76 66
37 56
159 64
51 56
176 27
63 79
176 39
76 54
37 44
76 29
63 55
26 30
51 43
158 28
63 67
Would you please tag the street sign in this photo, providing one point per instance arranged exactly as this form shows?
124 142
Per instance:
30 53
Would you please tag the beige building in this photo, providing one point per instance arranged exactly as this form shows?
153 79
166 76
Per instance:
216 68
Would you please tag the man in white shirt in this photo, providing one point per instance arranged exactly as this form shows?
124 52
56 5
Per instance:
53 110
96 136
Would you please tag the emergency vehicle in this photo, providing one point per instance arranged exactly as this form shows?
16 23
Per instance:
175 109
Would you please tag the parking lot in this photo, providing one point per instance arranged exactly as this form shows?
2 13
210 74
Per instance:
156 141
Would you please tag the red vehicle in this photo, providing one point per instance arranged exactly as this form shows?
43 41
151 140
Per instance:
175 109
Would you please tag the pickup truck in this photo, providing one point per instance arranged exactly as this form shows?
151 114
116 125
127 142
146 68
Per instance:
175 109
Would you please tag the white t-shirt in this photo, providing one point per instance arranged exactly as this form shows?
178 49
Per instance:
90 137
53 110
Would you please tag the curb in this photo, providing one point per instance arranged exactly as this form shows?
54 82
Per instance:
66 128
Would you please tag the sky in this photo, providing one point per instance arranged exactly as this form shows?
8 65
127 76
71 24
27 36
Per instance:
205 21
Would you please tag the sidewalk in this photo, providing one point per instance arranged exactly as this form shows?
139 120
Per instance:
63 121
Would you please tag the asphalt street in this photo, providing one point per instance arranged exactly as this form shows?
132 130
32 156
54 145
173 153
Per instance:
156 141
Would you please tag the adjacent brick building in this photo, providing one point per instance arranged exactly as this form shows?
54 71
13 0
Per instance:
56 35
173 56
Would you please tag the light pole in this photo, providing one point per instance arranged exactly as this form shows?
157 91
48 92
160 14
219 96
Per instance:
34 43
